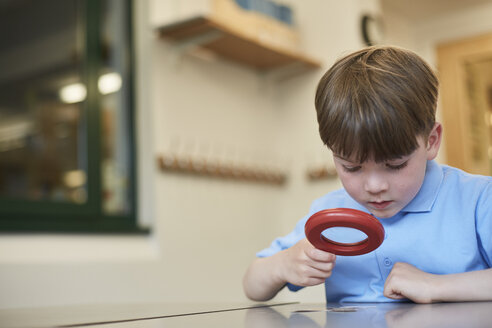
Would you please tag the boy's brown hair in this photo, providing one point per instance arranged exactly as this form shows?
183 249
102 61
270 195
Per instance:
374 103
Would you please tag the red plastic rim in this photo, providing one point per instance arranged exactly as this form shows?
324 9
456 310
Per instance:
344 217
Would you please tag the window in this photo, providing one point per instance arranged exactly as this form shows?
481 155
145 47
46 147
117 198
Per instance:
66 120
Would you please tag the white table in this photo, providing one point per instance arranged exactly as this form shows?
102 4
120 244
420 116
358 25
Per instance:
391 315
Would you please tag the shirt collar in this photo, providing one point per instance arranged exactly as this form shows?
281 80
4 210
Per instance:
427 195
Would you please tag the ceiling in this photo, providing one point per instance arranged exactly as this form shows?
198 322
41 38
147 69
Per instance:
424 9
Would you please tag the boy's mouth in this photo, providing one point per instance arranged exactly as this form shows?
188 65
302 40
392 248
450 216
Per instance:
380 205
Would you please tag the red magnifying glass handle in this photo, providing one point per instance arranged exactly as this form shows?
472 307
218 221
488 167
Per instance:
349 218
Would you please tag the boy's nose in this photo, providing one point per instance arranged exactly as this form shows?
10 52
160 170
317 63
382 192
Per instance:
375 184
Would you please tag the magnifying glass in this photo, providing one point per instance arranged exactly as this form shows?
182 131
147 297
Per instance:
348 218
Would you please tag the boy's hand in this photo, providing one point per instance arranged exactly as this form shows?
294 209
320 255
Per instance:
406 281
304 265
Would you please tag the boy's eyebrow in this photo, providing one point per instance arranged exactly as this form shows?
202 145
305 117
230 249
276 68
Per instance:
396 158
349 160
342 158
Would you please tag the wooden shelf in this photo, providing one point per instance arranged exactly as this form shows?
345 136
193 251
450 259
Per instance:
200 167
229 43
322 173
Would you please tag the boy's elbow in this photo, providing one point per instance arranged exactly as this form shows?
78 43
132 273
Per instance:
253 293
257 297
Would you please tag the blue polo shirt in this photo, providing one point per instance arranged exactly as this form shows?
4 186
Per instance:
446 228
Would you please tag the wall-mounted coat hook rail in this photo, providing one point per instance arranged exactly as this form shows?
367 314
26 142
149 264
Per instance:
321 173
202 167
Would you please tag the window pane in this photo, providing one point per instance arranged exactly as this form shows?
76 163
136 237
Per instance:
114 91
42 151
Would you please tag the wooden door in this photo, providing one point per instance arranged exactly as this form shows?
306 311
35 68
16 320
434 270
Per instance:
465 72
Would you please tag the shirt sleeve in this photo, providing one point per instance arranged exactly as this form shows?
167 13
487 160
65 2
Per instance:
334 199
484 223
298 233
285 242
281 243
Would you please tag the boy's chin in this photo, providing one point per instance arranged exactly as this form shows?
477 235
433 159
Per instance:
384 214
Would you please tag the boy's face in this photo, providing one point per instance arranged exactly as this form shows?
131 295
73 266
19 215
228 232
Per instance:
386 188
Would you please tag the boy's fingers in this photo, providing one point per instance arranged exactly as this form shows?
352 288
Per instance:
321 274
390 292
325 267
321 256
313 282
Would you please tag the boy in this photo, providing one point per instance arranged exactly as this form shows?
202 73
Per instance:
376 113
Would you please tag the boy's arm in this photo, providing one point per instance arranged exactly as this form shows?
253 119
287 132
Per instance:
406 281
261 283
301 265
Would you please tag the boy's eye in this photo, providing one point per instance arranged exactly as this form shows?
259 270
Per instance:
351 168
397 167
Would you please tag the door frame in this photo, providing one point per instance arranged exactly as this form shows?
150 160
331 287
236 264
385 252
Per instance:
455 108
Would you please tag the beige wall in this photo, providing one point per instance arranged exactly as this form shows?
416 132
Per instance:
205 231
424 34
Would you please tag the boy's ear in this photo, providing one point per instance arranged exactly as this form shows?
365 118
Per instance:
434 141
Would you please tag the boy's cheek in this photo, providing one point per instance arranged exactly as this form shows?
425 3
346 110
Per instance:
353 188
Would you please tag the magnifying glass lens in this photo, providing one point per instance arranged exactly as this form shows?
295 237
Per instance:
344 231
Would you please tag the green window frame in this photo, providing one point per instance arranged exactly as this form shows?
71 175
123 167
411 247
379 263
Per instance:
23 215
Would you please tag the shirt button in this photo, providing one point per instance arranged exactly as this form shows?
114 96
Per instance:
387 261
